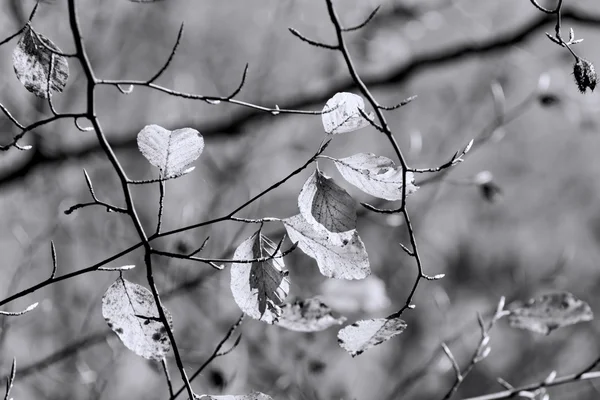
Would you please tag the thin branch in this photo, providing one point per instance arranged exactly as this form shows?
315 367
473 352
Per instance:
173 51
216 353
11 378
312 42
364 23
199 249
19 313
73 274
163 361
507 394
35 125
253 199
225 260
54 260
17 33
161 205
9 115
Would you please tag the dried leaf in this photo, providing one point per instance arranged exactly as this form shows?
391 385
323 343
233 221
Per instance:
375 175
548 312
339 255
323 201
341 114
130 311
309 315
363 335
32 62
259 288
171 151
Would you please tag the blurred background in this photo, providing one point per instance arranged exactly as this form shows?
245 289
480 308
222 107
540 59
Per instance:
539 234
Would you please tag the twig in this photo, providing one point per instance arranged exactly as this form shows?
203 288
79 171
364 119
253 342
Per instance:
11 379
216 353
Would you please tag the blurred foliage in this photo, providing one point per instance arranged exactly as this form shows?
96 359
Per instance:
541 235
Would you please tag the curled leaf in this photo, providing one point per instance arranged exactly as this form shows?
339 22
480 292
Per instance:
363 335
259 288
171 151
130 311
375 175
33 64
548 312
341 114
323 201
339 255
309 315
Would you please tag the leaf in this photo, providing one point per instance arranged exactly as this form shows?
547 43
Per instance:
171 151
309 315
250 396
323 201
375 175
341 114
339 255
363 335
259 288
548 312
130 311
32 63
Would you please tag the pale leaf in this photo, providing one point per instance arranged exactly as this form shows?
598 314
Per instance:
548 312
32 62
171 151
375 175
341 114
338 255
309 315
130 311
259 288
363 335
322 200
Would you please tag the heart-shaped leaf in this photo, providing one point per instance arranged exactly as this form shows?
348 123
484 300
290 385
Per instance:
34 64
375 175
323 201
130 311
259 288
339 255
341 114
548 312
171 151
309 315
363 335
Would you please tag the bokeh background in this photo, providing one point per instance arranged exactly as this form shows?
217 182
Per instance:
540 235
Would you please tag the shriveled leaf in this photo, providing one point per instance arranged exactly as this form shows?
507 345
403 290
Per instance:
171 151
309 315
548 312
363 335
130 311
338 255
341 114
250 396
375 175
259 288
323 201
32 63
